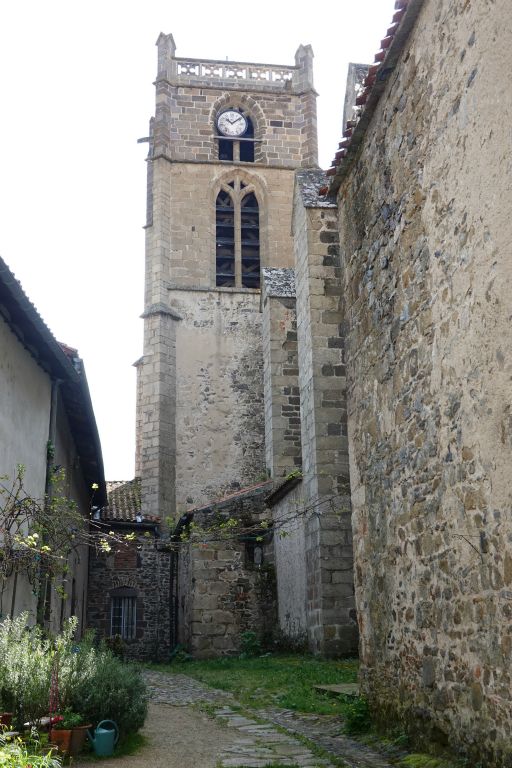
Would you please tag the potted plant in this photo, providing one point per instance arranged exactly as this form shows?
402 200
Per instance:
6 714
61 730
78 736
5 718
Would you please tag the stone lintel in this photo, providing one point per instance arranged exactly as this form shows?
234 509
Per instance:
160 309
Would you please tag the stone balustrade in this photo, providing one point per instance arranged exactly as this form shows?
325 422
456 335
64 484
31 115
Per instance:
206 69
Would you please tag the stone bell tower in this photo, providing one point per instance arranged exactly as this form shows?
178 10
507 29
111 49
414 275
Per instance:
224 145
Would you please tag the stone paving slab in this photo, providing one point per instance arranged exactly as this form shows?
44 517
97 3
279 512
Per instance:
263 744
327 732
261 741
343 689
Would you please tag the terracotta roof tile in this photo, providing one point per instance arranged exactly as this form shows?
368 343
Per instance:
249 491
124 503
373 85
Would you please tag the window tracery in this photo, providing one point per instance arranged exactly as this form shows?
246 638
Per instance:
237 236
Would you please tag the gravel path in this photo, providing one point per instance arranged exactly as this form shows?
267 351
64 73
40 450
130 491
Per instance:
181 736
178 737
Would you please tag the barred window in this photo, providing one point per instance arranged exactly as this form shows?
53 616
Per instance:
123 617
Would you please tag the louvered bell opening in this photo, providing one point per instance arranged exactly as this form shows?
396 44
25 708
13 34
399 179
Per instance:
225 240
250 237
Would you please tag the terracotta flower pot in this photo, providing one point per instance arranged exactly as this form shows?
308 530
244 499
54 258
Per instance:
61 739
78 736
6 718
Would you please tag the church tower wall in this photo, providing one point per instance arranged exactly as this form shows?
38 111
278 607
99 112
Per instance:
202 372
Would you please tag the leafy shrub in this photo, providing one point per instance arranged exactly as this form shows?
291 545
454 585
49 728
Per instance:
357 715
25 670
68 720
117 646
91 680
179 655
17 754
250 644
282 641
108 689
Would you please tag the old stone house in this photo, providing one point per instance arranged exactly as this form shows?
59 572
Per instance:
46 420
361 369
129 586
159 590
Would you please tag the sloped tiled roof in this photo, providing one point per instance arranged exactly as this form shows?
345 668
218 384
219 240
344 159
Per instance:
251 490
386 59
124 504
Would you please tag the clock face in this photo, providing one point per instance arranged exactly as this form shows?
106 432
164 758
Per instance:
231 123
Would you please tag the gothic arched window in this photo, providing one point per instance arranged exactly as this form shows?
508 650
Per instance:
237 237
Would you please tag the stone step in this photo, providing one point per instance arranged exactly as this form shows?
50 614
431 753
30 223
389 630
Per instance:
343 689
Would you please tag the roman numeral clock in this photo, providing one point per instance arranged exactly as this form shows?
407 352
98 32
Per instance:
230 122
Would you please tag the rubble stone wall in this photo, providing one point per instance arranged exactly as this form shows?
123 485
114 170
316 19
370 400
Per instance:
425 236
228 598
219 395
224 590
140 566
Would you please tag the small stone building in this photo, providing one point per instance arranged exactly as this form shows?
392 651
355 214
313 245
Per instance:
199 588
129 586
225 583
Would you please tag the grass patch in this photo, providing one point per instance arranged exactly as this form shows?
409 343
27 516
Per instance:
275 765
425 761
283 681
129 745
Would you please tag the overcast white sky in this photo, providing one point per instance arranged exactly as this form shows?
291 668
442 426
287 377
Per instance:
75 95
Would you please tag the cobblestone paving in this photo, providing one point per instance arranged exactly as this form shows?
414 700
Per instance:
326 732
181 690
259 741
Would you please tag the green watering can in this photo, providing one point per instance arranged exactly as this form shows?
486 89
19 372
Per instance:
104 738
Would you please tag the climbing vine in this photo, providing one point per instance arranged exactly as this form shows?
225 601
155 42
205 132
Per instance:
37 536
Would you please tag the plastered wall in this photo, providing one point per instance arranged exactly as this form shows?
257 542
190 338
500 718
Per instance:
25 396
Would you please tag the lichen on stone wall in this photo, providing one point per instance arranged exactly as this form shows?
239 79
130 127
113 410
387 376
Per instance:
424 248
